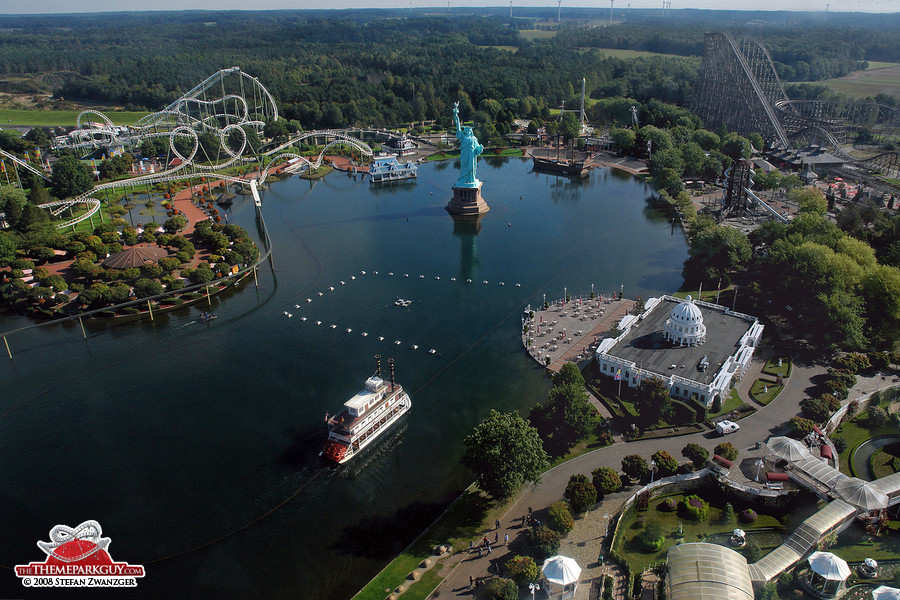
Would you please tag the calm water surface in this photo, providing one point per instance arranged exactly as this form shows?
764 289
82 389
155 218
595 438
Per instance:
175 434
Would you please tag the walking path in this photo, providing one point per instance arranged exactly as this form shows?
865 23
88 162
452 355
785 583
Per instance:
587 541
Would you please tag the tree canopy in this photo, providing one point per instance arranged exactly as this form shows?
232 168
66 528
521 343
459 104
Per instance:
504 452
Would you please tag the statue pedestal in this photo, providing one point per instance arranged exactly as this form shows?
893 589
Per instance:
467 202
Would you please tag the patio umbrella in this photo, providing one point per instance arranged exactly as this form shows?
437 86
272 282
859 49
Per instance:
870 562
829 566
787 448
134 256
885 593
561 570
861 494
739 533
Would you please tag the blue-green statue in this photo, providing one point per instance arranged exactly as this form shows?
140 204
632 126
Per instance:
469 149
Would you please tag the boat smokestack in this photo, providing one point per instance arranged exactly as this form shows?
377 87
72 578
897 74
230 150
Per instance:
391 365
377 365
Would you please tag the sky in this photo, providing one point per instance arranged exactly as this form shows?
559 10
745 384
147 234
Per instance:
80 6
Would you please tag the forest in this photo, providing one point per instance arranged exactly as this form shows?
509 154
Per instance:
389 67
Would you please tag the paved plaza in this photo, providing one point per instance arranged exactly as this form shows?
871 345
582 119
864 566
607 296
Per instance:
570 331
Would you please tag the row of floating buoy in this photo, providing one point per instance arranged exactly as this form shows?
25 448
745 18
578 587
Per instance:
381 338
332 288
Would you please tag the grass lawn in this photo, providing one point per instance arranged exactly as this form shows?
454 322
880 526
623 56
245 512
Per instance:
464 520
764 391
629 548
318 173
732 402
708 295
855 432
885 79
592 442
774 370
504 48
536 34
625 53
443 155
503 152
874 65
50 118
885 461
854 544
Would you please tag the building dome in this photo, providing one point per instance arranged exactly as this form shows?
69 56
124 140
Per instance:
685 324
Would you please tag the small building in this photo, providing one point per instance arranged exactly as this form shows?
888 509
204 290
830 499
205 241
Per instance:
696 347
827 574
401 146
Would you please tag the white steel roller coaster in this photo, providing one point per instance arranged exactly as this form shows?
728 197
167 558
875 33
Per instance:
242 103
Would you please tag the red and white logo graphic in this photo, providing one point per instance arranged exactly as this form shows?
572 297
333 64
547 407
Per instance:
78 557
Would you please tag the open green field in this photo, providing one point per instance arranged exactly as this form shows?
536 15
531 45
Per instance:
51 118
536 34
881 79
625 53
504 48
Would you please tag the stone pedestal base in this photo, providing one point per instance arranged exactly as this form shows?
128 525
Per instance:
467 202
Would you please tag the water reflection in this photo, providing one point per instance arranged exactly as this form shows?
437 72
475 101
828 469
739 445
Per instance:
467 231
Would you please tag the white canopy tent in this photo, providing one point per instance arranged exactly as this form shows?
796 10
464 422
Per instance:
885 593
787 448
827 573
560 576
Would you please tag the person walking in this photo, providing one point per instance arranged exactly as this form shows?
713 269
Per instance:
471 581
496 537
497 524
506 540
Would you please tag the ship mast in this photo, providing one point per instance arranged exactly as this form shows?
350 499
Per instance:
377 365
391 364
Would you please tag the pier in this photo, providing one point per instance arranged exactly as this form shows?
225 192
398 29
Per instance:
570 331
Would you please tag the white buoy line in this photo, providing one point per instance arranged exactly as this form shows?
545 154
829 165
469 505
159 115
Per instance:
361 274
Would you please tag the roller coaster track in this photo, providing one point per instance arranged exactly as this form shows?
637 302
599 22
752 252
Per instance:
739 87
18 162
190 167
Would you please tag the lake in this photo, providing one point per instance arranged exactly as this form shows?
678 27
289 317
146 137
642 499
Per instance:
195 446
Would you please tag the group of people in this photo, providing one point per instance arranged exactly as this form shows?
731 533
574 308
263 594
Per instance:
485 547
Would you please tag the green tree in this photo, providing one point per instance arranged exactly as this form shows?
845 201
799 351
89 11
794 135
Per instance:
70 177
809 199
544 542
522 569
736 146
666 464
635 467
623 139
715 252
580 493
606 480
800 427
501 589
695 453
726 450
559 518
652 400
670 180
504 452
652 537
706 139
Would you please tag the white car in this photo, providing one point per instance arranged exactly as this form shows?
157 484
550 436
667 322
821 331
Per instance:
726 427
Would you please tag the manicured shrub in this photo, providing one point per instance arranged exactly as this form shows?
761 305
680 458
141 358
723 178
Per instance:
878 417
501 589
544 542
697 454
606 480
840 444
815 410
559 519
522 569
665 463
726 450
635 467
694 507
580 493
651 538
668 505
800 427
748 516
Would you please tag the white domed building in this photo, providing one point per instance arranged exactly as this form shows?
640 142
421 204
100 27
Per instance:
685 324
697 348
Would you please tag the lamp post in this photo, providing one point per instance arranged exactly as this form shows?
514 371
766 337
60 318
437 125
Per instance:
652 469
534 587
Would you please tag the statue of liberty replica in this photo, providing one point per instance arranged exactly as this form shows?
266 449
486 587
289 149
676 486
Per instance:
467 200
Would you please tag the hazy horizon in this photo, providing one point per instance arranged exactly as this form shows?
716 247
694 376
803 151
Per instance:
92 6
